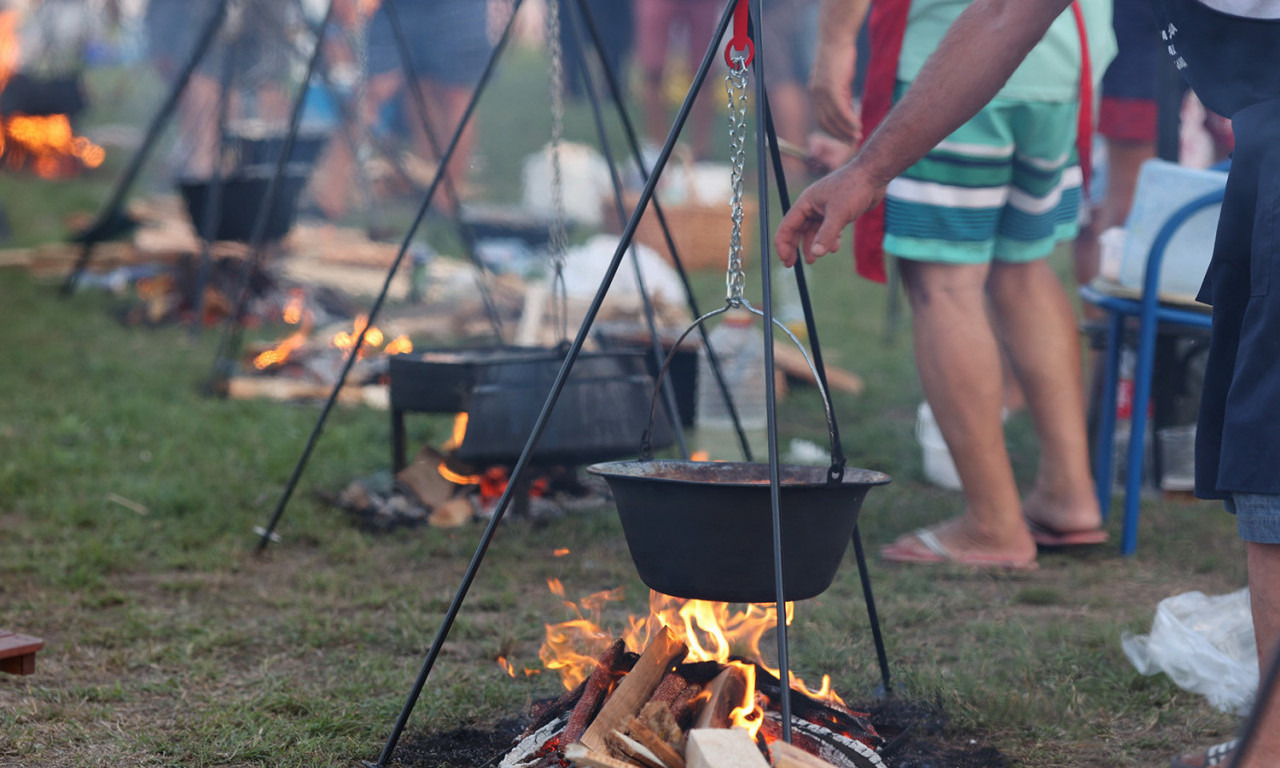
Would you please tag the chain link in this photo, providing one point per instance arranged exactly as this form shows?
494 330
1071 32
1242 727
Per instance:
559 241
735 85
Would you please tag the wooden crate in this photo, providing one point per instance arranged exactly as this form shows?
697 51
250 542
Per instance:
701 231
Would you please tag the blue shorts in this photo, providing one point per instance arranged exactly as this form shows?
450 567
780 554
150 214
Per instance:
1257 516
448 40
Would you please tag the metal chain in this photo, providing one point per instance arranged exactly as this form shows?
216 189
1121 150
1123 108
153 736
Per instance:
735 85
559 242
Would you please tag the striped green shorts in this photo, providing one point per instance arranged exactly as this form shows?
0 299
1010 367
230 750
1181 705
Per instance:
1003 186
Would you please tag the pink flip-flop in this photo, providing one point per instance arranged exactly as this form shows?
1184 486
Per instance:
936 552
1045 536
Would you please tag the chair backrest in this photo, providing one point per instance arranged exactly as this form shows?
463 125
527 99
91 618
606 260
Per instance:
1162 189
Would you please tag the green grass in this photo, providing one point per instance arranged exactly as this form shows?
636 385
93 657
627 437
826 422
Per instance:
169 642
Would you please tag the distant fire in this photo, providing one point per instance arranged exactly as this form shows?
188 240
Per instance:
44 143
296 313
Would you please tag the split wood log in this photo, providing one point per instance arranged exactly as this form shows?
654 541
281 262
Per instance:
727 691
672 684
585 756
422 476
597 686
792 362
685 703
790 756
276 388
655 743
657 717
636 688
723 748
626 748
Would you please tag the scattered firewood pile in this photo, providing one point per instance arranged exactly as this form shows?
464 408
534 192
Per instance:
652 711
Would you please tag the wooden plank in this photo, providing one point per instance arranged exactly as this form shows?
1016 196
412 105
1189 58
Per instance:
18 653
723 748
624 746
636 688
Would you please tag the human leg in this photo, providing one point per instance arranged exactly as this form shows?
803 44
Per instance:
653 29
1036 324
1264 595
958 360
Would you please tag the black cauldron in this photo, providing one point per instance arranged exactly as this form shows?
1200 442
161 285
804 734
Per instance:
704 530
243 195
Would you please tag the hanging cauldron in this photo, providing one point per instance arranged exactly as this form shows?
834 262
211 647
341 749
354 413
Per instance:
38 95
704 530
603 406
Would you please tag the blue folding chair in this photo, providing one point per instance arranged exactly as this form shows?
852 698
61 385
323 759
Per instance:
1151 314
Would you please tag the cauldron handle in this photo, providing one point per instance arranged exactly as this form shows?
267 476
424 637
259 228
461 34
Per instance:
835 473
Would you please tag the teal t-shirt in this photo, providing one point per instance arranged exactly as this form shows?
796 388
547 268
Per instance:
1051 72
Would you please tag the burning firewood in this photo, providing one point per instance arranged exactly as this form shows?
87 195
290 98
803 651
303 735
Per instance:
636 688
727 691
685 704
598 685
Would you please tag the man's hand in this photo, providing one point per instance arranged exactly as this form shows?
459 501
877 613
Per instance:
823 210
831 91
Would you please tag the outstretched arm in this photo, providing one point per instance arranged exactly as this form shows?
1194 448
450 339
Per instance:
975 58
834 67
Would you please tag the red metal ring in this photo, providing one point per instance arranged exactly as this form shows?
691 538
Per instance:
746 61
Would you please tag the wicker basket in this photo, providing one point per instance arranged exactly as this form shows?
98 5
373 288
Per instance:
700 230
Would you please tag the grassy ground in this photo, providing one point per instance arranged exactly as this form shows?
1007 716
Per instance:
169 642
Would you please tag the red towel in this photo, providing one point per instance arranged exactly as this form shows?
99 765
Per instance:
887 26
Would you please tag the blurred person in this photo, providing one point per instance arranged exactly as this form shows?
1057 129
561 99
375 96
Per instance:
449 48
790 34
255 33
1218 45
971 225
615 21
656 21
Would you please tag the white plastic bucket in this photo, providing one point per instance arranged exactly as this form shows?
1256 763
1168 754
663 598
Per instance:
939 468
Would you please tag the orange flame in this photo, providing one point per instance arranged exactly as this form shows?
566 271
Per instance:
711 631
506 666
459 432
560 552
400 345
295 308
372 337
46 142
455 478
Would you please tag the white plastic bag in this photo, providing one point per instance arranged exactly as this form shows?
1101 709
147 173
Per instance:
1205 645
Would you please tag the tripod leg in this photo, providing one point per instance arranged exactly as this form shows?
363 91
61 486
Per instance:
886 687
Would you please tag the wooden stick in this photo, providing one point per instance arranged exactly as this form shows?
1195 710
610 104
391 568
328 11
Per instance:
636 688
597 686
672 684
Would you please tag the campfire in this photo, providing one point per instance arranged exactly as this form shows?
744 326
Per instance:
698 694
44 143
